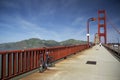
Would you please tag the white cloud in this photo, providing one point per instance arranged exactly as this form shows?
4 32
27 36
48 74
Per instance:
25 29
78 21
35 30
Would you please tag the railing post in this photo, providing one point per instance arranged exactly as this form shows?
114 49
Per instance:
14 63
39 59
3 74
31 59
34 59
23 61
9 64
19 62
27 60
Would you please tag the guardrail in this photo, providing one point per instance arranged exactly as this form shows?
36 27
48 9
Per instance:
114 52
16 62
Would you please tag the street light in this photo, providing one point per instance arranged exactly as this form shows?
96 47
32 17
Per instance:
90 19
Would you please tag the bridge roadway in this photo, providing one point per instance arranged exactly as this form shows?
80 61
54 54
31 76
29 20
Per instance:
75 68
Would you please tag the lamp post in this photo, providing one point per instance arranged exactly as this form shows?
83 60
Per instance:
90 19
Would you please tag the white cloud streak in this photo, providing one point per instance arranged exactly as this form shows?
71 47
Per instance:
35 30
78 21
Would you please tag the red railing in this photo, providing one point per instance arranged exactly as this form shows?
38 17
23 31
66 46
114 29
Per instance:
17 62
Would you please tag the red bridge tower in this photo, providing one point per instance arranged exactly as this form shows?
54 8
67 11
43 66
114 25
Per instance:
102 25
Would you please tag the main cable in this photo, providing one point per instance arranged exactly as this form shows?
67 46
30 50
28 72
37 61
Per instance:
114 27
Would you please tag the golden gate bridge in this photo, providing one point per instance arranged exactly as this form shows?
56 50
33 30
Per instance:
18 62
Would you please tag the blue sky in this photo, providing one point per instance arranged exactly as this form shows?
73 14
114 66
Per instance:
54 19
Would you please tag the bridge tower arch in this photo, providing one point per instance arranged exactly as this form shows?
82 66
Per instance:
102 25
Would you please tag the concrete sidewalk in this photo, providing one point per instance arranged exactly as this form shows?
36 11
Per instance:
75 67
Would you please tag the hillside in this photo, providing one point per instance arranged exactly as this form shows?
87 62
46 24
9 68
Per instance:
72 42
36 43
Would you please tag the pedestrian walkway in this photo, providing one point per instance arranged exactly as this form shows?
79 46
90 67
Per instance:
75 67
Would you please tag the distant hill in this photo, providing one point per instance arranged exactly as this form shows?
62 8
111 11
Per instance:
72 42
37 43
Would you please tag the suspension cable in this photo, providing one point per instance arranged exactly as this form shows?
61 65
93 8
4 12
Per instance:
114 27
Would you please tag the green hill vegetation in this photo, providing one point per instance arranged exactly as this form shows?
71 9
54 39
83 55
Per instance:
38 43
72 42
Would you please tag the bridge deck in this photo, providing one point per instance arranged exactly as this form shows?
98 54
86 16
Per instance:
75 67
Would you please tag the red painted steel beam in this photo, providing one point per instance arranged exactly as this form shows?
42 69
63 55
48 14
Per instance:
14 63
27 60
37 59
23 61
102 17
19 62
3 72
9 64
34 59
31 60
